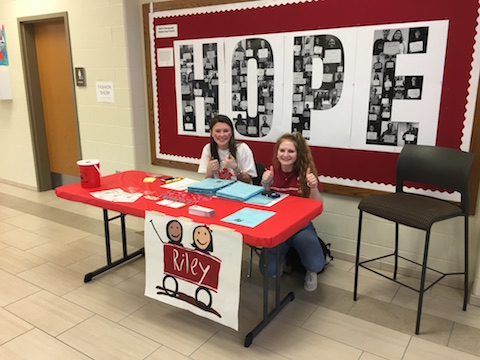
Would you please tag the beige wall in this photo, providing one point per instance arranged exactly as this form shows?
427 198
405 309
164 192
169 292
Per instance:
107 40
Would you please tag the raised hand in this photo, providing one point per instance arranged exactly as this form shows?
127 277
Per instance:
267 177
312 180
230 162
213 165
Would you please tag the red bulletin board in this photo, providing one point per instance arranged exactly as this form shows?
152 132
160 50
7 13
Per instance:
367 168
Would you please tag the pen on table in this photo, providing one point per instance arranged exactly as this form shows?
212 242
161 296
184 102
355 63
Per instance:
164 178
172 180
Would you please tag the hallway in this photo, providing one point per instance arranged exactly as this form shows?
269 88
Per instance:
47 245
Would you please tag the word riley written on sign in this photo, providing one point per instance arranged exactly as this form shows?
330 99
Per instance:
192 265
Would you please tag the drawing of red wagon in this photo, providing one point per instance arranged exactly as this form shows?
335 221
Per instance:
193 266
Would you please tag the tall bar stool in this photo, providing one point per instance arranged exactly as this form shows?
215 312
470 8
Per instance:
440 167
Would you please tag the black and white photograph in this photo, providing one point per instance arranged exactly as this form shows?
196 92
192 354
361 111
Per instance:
417 40
408 133
389 132
413 87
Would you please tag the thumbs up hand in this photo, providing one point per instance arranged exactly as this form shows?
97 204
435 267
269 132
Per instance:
312 180
267 177
213 165
230 162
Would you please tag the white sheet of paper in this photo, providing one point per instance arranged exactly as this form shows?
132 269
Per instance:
179 185
332 56
165 57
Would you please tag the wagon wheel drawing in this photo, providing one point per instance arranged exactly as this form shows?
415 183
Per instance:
172 293
200 304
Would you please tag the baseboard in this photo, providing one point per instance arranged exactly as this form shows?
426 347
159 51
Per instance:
474 299
19 185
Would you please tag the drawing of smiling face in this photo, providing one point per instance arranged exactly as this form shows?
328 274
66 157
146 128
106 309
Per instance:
202 238
174 231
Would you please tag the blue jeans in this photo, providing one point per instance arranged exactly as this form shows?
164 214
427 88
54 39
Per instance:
308 247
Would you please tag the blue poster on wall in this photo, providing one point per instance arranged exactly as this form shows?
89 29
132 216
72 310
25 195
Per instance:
3 47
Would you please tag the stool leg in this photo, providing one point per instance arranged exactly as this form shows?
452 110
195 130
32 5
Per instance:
357 258
395 266
422 282
465 286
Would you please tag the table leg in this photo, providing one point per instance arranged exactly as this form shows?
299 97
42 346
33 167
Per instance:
279 304
126 257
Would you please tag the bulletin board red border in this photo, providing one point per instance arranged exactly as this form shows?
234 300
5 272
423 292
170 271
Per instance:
366 166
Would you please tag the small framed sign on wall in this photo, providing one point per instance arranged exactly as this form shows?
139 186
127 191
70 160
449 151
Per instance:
80 78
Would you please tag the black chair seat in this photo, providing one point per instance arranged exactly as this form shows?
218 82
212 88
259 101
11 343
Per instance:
413 210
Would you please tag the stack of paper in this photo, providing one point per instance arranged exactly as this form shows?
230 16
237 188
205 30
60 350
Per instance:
209 186
116 195
180 185
201 211
239 191
248 217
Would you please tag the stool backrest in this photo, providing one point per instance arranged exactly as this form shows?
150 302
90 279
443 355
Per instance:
260 169
438 166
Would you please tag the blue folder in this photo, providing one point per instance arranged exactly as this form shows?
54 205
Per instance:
209 186
239 191
248 217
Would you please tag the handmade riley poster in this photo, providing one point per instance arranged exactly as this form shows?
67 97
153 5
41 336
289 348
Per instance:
194 267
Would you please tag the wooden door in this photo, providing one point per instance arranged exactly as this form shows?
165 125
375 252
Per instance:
57 96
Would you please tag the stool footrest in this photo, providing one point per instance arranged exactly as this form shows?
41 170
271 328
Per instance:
442 274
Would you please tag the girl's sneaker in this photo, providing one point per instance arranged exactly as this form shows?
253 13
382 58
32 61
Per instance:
310 281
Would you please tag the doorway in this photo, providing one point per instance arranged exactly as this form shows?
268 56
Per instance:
51 99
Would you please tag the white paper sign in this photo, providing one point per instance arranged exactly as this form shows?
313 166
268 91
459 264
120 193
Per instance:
5 85
332 56
166 31
193 267
416 46
165 57
105 91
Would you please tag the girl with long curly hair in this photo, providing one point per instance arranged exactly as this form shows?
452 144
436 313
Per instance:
293 172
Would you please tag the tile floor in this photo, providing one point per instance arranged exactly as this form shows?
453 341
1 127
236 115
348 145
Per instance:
47 311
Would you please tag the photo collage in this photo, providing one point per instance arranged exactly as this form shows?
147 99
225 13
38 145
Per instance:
261 51
306 49
385 86
206 88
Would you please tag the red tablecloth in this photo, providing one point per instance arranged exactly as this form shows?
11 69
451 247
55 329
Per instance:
291 214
